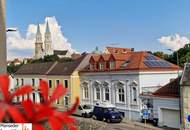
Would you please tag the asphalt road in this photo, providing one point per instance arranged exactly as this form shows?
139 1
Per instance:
100 125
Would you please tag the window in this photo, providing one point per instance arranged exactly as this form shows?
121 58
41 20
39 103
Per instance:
134 94
101 66
112 64
33 82
66 101
34 97
18 99
23 98
91 66
17 82
22 81
97 93
50 83
85 92
66 83
107 94
57 82
28 96
121 94
57 101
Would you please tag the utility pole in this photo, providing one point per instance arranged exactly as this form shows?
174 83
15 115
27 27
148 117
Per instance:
3 49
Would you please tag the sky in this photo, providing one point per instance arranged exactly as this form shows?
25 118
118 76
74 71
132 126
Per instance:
81 25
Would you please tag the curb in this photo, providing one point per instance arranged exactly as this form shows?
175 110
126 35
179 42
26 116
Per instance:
141 125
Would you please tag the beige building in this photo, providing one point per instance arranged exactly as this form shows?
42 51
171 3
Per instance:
55 73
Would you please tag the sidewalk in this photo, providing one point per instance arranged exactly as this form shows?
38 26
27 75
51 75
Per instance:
143 126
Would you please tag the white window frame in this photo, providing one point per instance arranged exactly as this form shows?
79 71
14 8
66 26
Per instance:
50 85
133 85
22 82
96 94
33 82
106 92
17 82
92 66
112 65
66 80
134 96
66 103
85 92
121 94
101 65
57 82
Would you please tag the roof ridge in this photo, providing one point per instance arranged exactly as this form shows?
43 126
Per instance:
54 64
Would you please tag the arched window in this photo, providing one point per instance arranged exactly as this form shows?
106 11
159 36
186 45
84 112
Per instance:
107 94
97 93
121 94
85 92
134 94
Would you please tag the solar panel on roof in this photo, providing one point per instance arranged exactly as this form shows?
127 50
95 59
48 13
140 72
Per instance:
151 57
157 63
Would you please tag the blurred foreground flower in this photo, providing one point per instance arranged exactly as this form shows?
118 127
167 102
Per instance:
36 113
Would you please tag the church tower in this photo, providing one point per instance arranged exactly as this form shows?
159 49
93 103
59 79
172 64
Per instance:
48 41
38 44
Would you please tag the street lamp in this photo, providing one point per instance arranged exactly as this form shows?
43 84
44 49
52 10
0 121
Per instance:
11 29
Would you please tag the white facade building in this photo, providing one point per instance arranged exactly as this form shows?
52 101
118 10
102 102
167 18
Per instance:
122 87
165 104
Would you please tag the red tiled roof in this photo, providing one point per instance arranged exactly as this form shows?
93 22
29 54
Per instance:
134 61
118 50
171 89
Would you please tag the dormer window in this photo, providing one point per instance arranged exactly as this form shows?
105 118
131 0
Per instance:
91 66
112 64
101 66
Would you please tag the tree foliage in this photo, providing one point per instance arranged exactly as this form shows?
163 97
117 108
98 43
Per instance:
183 55
11 69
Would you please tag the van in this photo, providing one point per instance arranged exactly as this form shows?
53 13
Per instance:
106 113
84 111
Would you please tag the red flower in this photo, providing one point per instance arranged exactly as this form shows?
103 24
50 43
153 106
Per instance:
6 106
37 113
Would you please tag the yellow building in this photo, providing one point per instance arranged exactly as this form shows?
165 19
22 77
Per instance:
66 73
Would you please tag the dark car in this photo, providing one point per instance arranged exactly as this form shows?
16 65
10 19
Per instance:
108 114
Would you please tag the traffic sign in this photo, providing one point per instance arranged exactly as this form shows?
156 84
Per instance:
145 114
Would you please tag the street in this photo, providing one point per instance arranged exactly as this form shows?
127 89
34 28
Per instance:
100 125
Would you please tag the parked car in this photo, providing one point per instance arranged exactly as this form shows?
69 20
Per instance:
84 111
107 113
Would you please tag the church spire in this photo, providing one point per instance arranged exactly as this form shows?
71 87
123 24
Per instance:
48 41
38 44
47 27
38 30
38 35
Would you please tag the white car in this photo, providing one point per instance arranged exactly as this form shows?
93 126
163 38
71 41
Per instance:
84 111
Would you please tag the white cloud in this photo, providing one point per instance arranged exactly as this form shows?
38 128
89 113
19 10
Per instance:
18 46
174 42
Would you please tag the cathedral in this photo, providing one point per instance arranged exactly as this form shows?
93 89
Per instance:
43 48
